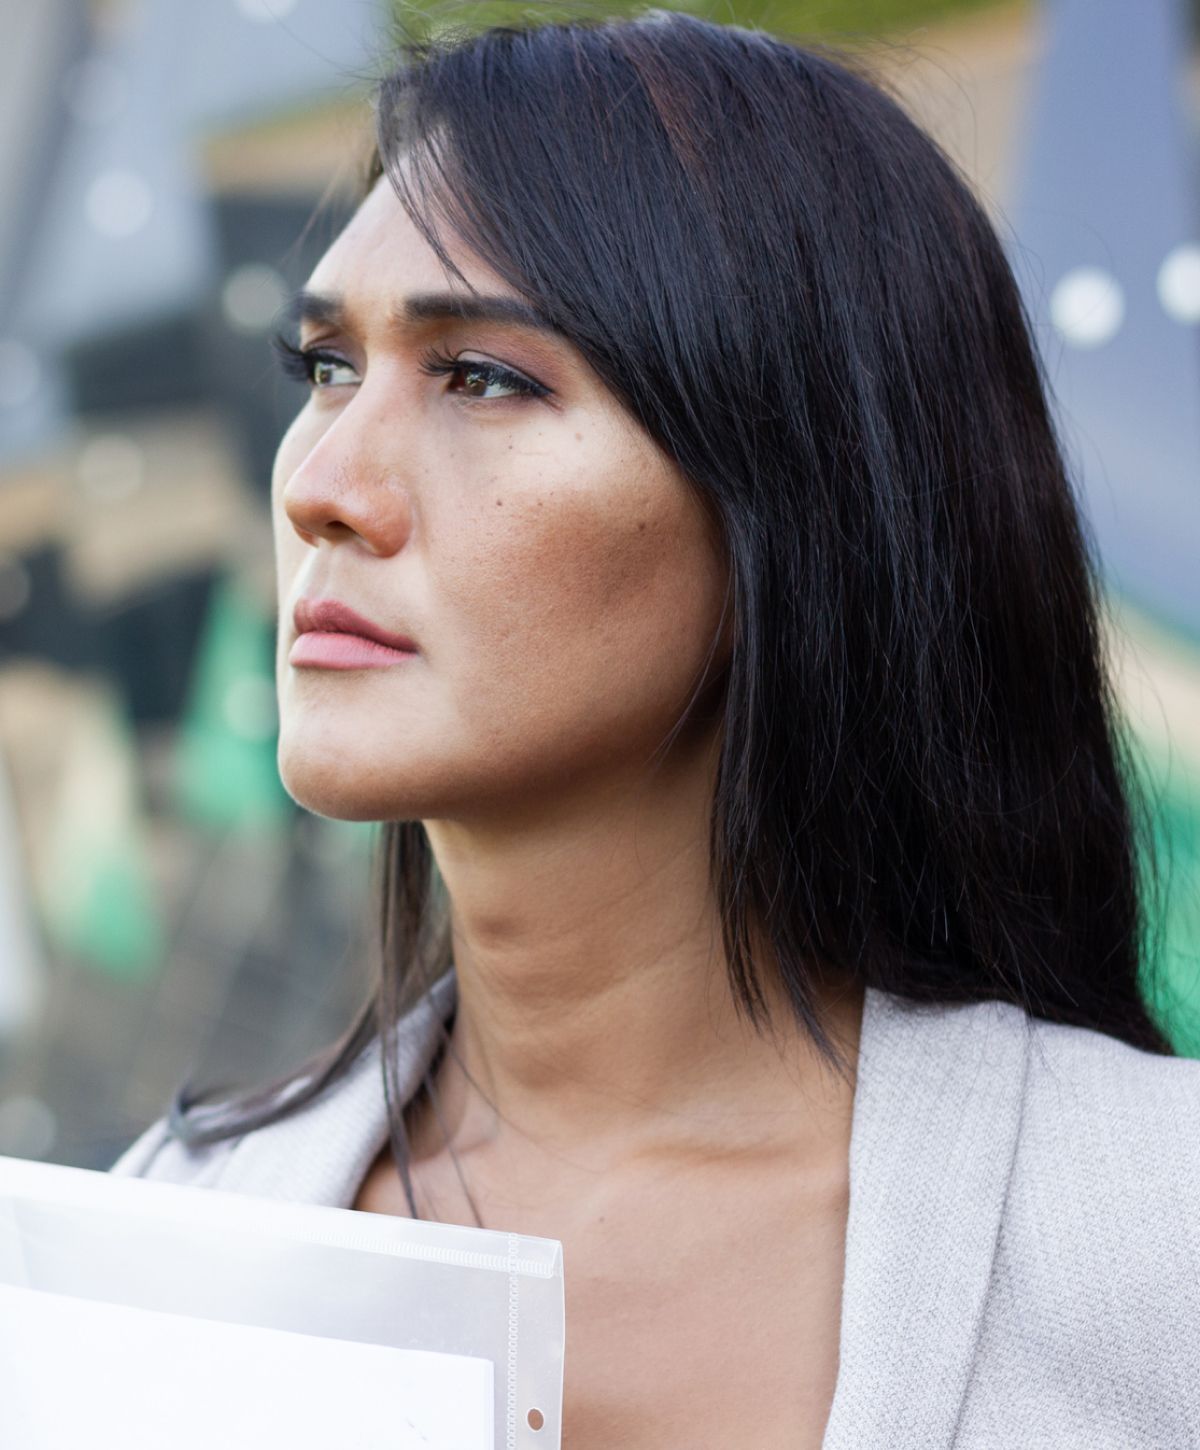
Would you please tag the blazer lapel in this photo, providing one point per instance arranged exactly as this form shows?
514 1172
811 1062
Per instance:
936 1118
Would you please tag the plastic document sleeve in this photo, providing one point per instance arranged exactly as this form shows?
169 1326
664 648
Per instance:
136 1314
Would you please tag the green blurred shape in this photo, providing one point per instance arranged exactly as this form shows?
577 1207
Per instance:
831 19
116 928
1173 956
226 771
102 909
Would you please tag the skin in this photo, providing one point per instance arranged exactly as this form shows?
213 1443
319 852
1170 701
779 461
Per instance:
565 590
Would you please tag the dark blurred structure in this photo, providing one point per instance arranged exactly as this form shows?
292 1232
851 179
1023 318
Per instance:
170 173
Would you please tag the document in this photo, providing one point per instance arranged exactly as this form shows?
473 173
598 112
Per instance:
76 1372
140 1315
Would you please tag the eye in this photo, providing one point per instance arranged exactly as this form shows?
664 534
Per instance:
327 371
484 381
313 365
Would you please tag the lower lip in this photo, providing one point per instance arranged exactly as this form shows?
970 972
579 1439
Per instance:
317 649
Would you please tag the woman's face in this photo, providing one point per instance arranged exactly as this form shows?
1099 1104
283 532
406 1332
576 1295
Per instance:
468 484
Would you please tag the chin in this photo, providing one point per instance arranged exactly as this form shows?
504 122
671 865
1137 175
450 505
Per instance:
330 797
333 783
345 784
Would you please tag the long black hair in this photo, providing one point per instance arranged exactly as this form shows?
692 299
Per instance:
923 782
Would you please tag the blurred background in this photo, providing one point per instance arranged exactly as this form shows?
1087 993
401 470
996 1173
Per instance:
169 172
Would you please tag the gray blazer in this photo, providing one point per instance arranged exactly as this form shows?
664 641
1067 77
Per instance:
1023 1247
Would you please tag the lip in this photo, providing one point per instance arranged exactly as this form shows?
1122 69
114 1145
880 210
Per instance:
331 635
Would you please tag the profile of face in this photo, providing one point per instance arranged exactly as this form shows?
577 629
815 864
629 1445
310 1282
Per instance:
548 583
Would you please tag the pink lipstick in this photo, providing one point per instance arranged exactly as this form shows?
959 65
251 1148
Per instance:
332 636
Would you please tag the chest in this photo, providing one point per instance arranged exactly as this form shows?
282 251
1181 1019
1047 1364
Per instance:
699 1314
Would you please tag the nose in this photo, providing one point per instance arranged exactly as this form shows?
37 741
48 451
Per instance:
349 488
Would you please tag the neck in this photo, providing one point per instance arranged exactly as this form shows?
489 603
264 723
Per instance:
593 999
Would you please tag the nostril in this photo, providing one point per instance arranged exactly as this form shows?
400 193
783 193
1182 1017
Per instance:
378 519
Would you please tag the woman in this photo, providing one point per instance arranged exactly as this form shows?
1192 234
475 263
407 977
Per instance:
676 552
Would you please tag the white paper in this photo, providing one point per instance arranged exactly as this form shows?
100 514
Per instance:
77 1372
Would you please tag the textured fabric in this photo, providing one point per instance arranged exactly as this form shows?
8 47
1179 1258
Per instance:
1023 1245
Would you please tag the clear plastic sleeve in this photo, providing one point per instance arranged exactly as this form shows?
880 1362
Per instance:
331 1273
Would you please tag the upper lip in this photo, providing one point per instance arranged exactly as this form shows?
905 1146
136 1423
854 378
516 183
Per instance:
333 616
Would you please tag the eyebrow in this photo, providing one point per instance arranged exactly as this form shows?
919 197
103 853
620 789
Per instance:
431 307
308 306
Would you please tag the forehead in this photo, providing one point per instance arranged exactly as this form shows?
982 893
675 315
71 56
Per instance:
381 254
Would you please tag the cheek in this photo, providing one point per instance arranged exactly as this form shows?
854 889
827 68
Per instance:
577 609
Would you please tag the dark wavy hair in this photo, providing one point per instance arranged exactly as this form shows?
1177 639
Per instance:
923 779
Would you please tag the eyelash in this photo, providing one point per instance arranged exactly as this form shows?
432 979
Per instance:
436 364
299 363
